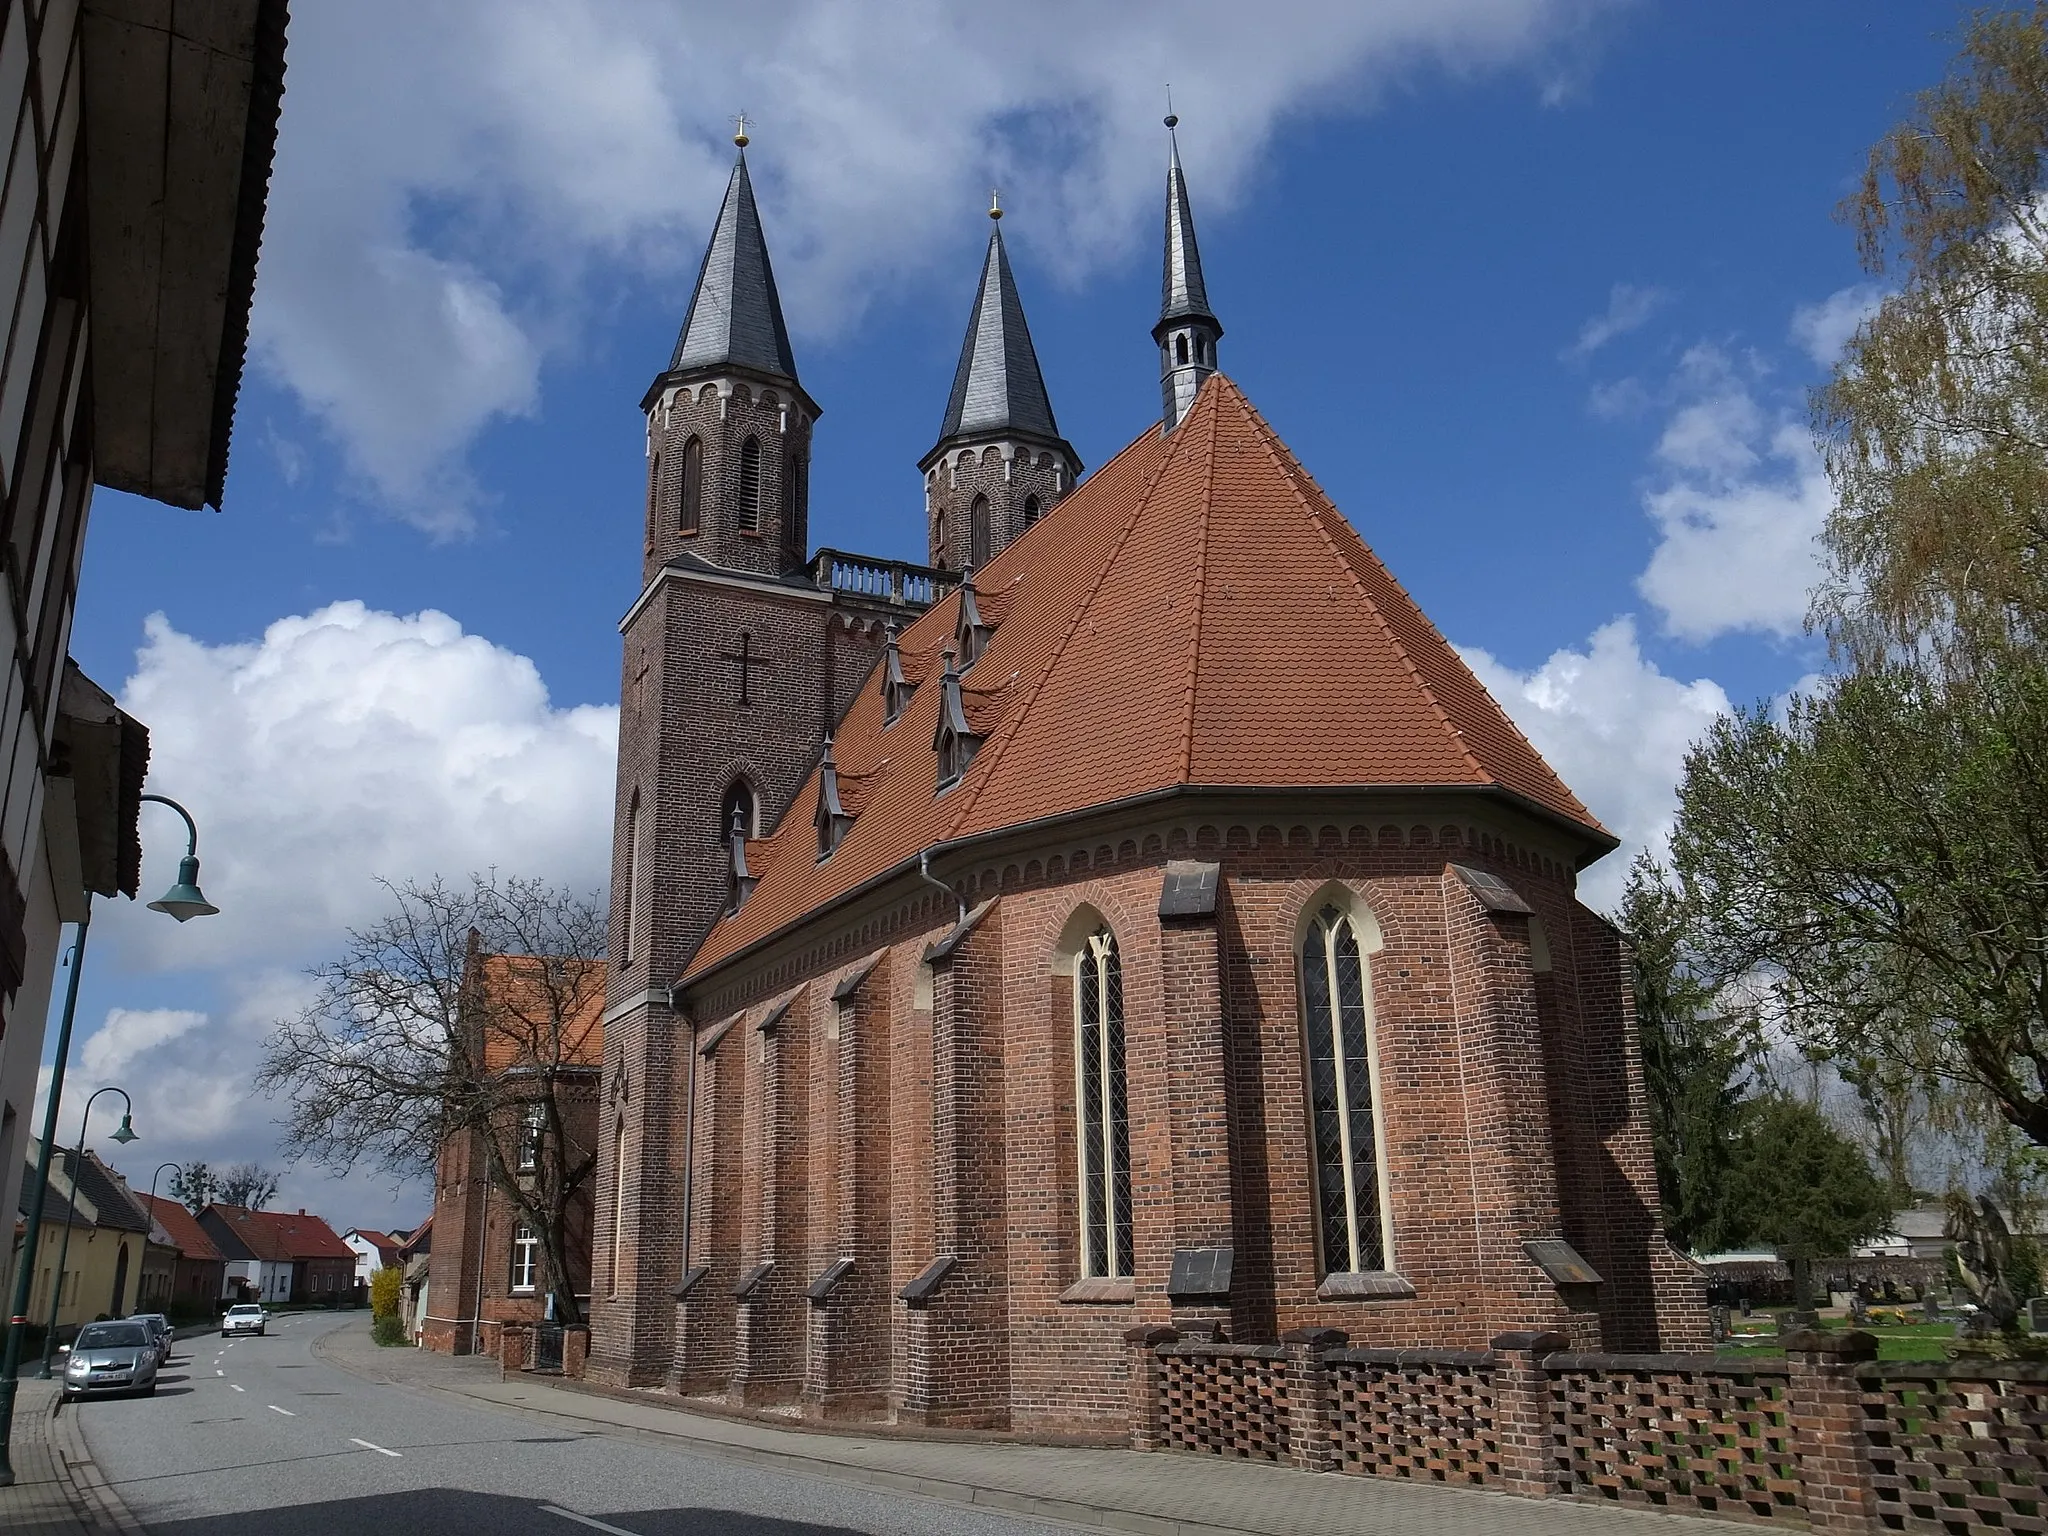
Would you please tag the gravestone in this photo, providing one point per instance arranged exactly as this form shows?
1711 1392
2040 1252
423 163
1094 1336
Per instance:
1717 1319
1930 1307
2037 1314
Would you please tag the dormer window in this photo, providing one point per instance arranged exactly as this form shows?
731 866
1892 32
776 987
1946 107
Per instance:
896 689
833 820
955 740
971 632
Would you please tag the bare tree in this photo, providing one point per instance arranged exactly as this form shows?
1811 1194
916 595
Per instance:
469 1011
245 1184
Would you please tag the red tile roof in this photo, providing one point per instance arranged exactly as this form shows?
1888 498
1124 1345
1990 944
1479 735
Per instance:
1196 614
284 1236
182 1227
522 1011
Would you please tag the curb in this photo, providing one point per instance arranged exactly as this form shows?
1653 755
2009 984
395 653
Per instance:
92 1498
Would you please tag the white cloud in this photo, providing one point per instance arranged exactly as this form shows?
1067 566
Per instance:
1742 499
1629 307
1616 729
1822 330
447 193
341 746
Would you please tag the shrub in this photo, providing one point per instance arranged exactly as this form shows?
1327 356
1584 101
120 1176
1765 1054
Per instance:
384 1292
387 1330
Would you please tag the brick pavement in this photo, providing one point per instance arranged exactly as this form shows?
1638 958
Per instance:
1162 1493
57 1490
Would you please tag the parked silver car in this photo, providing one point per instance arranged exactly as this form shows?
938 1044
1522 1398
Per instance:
159 1328
111 1357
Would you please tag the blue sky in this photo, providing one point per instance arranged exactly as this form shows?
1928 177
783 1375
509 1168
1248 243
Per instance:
1535 288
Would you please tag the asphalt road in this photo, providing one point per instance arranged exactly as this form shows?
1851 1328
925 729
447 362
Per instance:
258 1437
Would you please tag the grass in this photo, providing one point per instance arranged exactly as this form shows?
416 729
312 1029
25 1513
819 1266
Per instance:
1895 1341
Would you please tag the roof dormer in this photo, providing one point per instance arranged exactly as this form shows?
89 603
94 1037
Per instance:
955 741
833 819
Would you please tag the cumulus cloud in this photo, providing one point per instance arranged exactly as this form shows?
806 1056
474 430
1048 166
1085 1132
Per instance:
1740 498
446 193
1822 330
1616 728
340 747
1629 307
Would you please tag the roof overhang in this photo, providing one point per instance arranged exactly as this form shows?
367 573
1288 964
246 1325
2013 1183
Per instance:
676 378
1586 844
181 103
996 436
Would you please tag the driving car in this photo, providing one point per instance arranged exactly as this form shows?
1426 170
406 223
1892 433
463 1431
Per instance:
111 1357
243 1317
159 1328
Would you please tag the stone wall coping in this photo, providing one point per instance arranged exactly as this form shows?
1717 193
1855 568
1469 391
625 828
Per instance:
1953 1370
1224 1351
1568 1363
1438 1359
1849 1344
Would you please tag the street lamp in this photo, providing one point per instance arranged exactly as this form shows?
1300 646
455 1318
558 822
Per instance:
153 1223
181 901
124 1135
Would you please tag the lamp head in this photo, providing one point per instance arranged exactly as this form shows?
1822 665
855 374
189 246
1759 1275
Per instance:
185 900
126 1133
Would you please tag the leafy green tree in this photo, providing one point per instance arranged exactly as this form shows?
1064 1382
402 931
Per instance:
1935 424
384 1282
1880 856
1801 1186
1693 1059
192 1186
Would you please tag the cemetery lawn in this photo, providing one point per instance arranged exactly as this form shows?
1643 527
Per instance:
1895 1341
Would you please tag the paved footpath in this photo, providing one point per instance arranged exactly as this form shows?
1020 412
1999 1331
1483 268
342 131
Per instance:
1162 1493
57 1490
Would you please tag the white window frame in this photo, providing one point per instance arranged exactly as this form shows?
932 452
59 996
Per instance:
533 1124
525 1260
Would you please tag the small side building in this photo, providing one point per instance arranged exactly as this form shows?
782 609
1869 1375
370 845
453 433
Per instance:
199 1272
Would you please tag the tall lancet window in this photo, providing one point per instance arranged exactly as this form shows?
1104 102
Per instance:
1031 510
750 486
618 1201
629 920
653 492
1105 1160
690 509
1336 1001
977 533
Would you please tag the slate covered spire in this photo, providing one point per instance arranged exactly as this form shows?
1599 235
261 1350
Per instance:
735 317
1188 329
997 388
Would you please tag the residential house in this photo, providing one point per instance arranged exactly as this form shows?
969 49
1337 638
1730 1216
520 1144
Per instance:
103 1262
374 1250
199 1274
274 1256
415 1262
487 1265
131 210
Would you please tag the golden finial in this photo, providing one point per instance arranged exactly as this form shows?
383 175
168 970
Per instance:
1172 121
739 130
995 205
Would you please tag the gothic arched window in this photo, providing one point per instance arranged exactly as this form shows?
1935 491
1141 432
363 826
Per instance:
792 506
618 1200
1337 1013
1104 1105
977 532
1031 510
1180 349
750 486
690 510
629 919
739 800
653 491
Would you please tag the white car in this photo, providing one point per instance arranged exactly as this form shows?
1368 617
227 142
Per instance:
245 1317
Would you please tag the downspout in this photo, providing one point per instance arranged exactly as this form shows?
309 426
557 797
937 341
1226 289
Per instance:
483 1235
924 873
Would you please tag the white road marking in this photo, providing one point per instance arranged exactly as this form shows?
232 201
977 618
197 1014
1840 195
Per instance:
238 1389
369 1447
595 1525
285 1411
220 1373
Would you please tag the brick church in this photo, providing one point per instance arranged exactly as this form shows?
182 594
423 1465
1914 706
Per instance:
1135 916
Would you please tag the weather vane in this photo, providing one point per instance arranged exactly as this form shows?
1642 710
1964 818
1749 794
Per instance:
1171 120
739 129
995 204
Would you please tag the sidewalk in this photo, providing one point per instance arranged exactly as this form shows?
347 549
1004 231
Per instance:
1162 1493
57 1490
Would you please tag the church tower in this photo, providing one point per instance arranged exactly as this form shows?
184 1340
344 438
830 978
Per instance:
1000 462
1187 332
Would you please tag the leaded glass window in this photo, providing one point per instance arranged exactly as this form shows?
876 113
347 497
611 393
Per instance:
1104 1104
978 532
690 510
1339 1024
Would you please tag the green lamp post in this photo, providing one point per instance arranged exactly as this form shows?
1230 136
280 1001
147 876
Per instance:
183 901
123 1135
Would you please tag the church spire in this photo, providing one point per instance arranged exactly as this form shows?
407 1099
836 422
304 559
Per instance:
735 317
1000 462
997 387
1187 331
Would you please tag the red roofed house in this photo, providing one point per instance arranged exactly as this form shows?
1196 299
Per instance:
274 1256
1158 926
199 1275
373 1250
